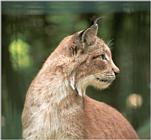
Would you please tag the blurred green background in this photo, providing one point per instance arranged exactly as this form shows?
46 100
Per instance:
32 30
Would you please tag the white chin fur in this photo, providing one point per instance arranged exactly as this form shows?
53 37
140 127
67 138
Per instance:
100 85
90 81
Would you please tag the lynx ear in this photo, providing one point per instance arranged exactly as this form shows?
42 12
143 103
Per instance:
88 36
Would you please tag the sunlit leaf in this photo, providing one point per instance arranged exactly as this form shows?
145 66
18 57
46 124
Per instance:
19 51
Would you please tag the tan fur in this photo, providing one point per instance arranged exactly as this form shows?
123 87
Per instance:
56 105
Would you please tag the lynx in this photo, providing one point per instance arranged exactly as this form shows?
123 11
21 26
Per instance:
56 105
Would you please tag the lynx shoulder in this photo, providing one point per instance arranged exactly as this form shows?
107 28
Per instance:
56 105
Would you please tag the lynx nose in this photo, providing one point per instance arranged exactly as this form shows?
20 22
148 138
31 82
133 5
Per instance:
116 70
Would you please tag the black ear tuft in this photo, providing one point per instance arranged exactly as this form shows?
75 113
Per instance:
97 19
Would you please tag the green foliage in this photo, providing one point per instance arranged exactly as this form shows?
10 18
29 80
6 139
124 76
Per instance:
19 51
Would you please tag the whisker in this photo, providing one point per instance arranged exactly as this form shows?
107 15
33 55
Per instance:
110 43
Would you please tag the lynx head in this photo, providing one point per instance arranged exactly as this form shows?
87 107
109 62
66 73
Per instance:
87 60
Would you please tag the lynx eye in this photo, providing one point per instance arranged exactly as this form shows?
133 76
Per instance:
103 57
